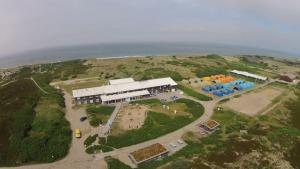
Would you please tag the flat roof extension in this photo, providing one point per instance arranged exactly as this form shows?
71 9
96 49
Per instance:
120 81
105 98
249 74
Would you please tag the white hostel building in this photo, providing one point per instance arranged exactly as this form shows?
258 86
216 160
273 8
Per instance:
120 90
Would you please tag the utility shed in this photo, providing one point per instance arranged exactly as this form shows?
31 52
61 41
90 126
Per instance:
247 74
288 77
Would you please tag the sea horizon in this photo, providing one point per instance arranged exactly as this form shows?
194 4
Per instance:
122 50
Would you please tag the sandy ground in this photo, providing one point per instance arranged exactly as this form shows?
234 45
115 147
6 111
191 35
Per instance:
253 103
132 116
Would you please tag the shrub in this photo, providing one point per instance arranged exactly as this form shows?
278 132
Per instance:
106 148
90 140
93 149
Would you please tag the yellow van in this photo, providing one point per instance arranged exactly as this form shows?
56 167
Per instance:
77 133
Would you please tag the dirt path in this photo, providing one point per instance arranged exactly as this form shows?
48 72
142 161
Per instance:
37 85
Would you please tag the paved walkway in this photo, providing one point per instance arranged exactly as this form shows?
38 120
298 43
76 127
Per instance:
104 130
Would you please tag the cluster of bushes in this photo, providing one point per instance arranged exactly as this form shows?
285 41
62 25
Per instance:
193 93
65 70
33 123
98 147
93 149
90 140
98 114
29 135
160 73
183 63
210 70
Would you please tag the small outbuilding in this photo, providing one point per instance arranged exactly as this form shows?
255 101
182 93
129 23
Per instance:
288 77
210 126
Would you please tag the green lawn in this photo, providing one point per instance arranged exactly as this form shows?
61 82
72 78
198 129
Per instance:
157 124
193 93
99 114
113 163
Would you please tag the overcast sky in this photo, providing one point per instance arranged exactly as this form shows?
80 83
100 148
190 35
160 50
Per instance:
34 24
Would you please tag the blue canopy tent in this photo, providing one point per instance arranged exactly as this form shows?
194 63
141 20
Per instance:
244 86
218 93
206 88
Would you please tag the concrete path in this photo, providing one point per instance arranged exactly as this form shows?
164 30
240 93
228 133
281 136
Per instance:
104 130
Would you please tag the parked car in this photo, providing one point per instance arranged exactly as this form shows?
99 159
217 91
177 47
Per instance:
77 133
174 98
83 118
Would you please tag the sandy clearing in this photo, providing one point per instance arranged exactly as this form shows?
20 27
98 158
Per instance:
254 102
132 116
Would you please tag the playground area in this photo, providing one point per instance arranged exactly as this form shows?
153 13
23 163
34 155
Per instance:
254 102
132 116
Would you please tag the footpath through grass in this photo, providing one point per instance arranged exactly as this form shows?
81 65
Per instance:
157 124
193 93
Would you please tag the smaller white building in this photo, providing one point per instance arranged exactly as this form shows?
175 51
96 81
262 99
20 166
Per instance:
247 74
120 81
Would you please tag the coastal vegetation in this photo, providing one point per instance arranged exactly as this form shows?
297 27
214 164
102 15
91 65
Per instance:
34 129
160 72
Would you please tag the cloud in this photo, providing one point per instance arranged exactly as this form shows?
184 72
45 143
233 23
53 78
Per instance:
33 24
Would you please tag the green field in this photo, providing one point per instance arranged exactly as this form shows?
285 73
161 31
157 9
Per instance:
193 93
157 124
113 163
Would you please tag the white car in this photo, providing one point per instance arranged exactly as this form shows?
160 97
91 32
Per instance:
173 145
180 141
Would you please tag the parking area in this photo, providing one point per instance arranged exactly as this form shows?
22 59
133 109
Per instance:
170 96
175 145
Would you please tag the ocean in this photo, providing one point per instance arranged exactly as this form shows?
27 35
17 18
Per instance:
129 49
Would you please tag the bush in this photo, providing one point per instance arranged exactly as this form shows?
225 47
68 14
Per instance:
90 140
93 149
106 148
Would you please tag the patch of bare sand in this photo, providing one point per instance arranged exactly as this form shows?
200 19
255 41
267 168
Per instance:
252 103
132 116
